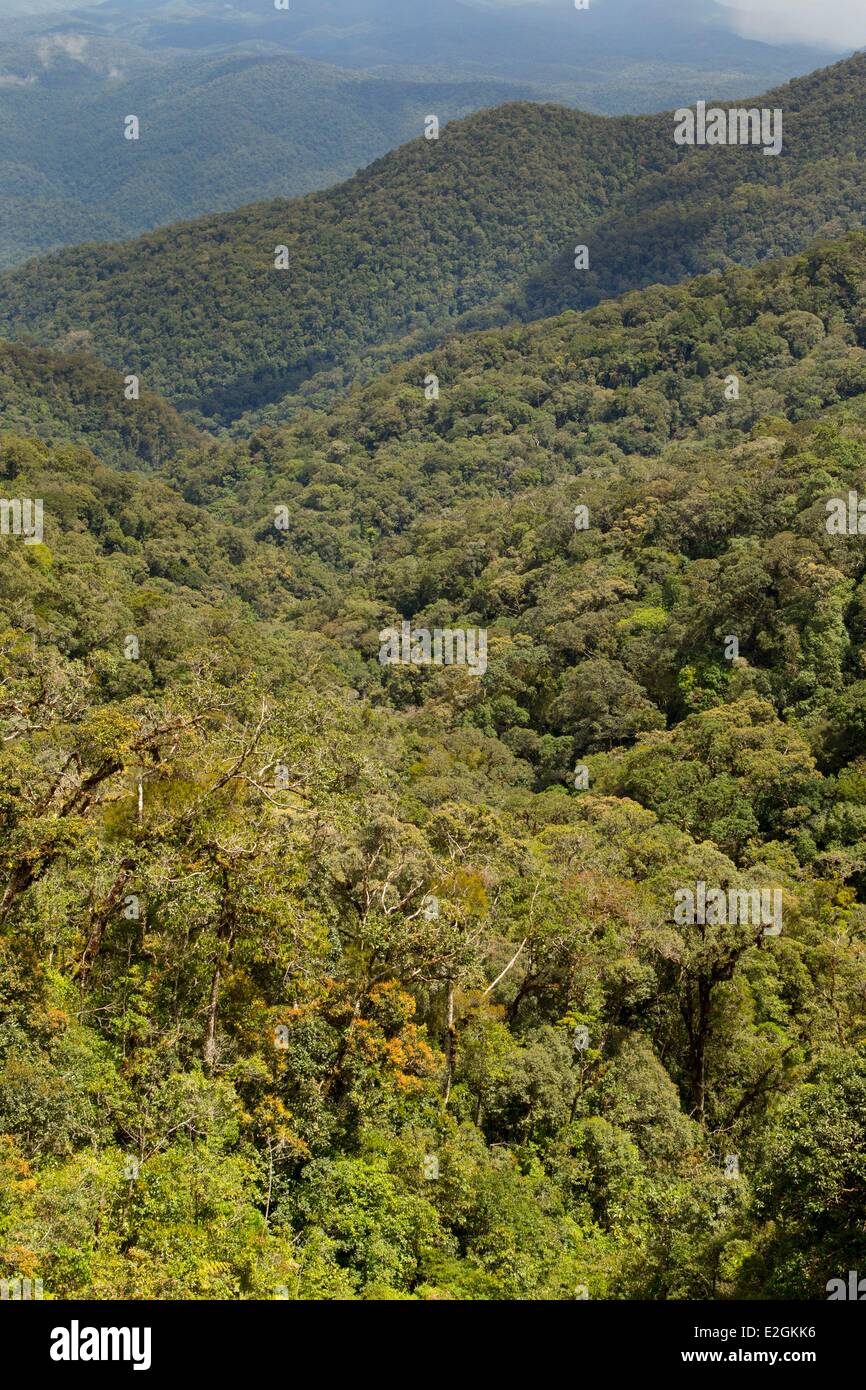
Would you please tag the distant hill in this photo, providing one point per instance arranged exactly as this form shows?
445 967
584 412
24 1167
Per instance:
216 131
617 56
426 233
737 209
477 227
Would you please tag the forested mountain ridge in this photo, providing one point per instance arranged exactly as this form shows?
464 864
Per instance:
522 405
226 1065
433 228
710 213
438 233
217 130
240 103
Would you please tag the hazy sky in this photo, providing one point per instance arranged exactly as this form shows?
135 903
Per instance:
838 23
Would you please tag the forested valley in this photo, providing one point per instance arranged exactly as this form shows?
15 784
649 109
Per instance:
326 978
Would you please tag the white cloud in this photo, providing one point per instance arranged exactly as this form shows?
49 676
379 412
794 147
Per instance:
73 45
835 24
831 24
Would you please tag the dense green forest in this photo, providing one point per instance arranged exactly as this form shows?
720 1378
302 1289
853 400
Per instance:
433 229
712 213
461 231
241 1056
70 396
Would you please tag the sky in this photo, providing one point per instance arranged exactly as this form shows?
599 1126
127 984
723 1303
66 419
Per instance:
836 23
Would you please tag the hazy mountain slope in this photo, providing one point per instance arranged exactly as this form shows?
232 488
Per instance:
217 131
438 230
617 56
230 116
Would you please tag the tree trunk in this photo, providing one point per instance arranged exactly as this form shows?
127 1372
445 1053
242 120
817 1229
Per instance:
209 1052
699 1047
449 1042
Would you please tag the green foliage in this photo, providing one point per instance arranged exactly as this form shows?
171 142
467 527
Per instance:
238 1058
72 397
